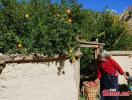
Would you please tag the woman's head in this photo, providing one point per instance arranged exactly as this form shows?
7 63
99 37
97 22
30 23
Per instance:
104 56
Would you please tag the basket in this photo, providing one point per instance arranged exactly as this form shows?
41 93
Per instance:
91 92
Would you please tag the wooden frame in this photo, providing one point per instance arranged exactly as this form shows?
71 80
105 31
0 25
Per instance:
95 45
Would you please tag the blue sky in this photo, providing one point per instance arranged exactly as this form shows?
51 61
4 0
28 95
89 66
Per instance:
98 5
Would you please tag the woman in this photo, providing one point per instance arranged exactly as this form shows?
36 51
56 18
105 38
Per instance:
108 70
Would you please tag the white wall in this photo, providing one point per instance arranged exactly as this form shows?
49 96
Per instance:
126 64
32 81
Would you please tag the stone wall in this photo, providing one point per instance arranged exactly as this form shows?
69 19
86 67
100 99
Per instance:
38 81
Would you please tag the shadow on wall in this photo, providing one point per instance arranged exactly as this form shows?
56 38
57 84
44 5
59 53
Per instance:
2 66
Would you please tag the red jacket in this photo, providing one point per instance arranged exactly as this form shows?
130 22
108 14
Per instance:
110 67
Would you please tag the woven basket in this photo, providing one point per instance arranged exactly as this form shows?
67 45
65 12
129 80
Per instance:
91 92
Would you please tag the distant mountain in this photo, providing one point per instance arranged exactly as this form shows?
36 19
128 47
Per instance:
127 16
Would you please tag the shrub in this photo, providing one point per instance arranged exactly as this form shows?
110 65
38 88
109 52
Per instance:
37 27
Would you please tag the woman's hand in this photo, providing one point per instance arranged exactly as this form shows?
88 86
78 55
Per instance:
97 81
125 76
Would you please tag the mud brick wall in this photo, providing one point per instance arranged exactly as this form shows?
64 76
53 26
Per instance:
126 63
38 81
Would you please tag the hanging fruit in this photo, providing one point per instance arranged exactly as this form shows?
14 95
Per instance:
27 15
69 20
19 45
70 17
70 51
58 15
73 60
68 11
